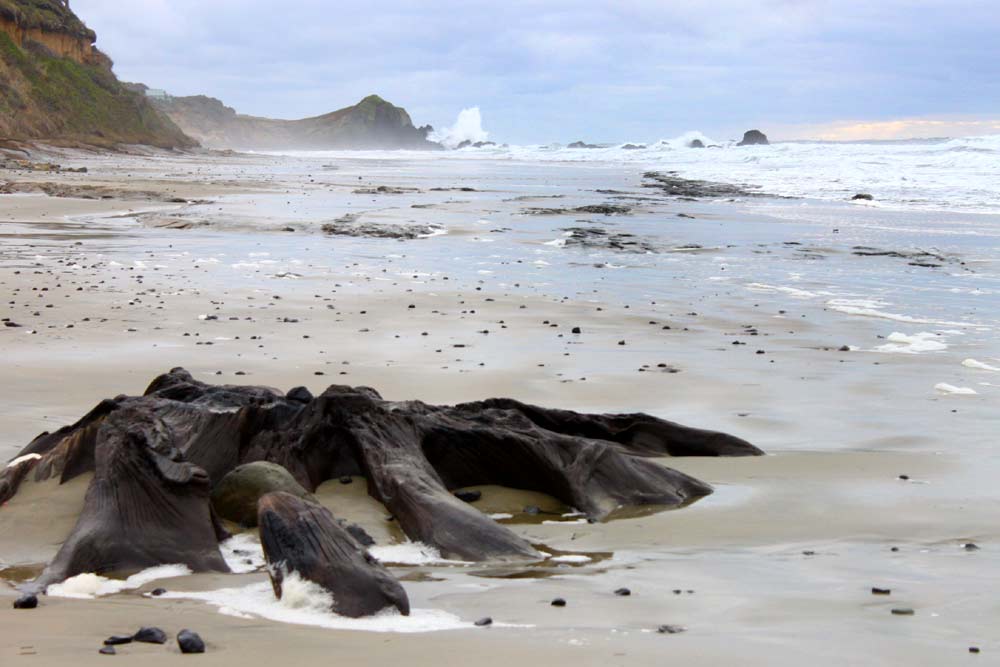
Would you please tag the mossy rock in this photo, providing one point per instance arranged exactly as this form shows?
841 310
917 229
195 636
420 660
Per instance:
235 496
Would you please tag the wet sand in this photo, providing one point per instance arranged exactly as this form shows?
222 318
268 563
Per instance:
781 559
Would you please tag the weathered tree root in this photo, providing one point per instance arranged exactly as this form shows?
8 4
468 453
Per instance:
302 537
411 453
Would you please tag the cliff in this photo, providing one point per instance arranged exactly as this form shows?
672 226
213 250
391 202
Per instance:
373 123
57 87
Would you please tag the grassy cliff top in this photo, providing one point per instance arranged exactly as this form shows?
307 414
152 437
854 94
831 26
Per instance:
49 15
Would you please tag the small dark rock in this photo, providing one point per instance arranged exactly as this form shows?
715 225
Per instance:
299 395
157 592
559 602
670 629
26 601
483 622
844 348
970 546
346 479
150 636
190 642
902 611
862 196
108 650
973 649
118 640
696 143
469 496
881 591
623 592
576 330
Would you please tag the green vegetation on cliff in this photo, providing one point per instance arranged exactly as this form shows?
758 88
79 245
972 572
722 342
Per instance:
44 97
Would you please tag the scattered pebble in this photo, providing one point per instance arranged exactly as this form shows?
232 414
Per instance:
484 622
190 642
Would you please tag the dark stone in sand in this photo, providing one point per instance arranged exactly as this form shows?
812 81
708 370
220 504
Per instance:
468 496
303 537
670 629
378 231
145 506
108 650
150 636
346 479
973 649
623 592
754 138
190 642
576 330
559 602
881 591
358 533
596 237
903 611
970 546
118 640
235 497
155 451
863 196
26 601
483 622
299 395
157 592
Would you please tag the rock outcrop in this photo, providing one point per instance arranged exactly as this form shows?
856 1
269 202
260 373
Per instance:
57 87
369 124
157 456
754 138
302 538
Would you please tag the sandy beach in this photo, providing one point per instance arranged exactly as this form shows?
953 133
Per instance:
877 474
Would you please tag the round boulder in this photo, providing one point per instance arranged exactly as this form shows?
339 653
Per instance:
235 496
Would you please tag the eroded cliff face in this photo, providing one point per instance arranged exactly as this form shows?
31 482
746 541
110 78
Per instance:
370 124
57 87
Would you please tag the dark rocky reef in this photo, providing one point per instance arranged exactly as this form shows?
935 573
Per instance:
754 138
675 186
595 237
589 209
581 144
156 458
302 537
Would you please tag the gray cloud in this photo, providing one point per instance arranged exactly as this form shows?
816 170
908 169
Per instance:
560 70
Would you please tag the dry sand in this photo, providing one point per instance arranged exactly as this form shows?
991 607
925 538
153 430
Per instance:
781 560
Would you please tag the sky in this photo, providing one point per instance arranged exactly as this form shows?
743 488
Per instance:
565 70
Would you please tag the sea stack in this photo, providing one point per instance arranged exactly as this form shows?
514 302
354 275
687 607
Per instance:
754 138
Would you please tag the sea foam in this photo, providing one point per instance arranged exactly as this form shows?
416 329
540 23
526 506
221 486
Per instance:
89 585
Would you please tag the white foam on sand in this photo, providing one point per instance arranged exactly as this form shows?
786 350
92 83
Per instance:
22 459
978 365
572 558
243 553
306 603
945 388
410 553
791 291
873 308
900 343
88 585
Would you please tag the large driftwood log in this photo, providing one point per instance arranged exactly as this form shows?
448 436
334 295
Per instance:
412 454
302 537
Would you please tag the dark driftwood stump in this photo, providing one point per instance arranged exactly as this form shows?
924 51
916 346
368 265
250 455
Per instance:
411 453
303 537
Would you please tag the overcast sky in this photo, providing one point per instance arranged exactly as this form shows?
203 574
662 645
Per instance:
561 70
